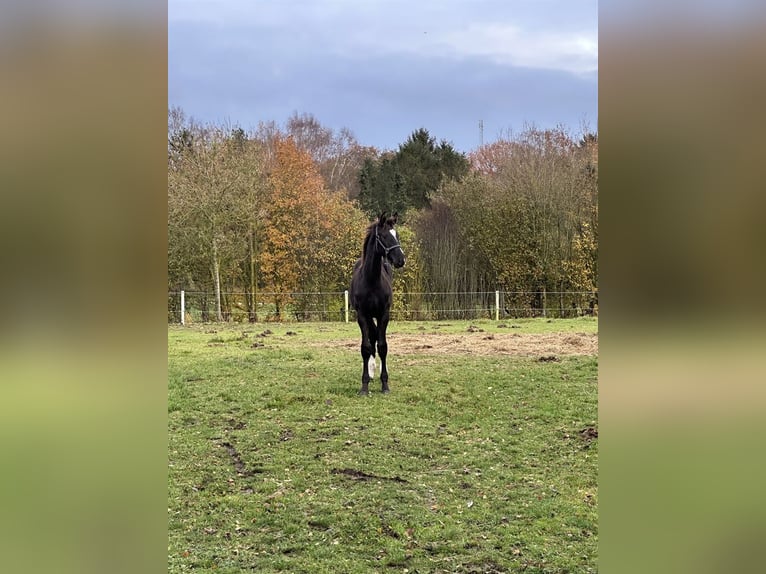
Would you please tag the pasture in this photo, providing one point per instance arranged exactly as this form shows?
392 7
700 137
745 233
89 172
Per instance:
483 458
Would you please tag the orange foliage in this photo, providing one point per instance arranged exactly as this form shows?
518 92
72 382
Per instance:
309 242
489 158
295 186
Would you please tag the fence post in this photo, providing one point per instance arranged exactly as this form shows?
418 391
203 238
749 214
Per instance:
345 297
183 307
497 305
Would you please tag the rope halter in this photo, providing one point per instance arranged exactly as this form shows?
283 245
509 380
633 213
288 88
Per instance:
387 250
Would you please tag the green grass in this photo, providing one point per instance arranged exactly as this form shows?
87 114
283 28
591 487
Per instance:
471 464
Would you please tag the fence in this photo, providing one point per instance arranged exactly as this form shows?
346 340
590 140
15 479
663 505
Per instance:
200 306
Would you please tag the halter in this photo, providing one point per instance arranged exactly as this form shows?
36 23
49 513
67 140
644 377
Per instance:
387 250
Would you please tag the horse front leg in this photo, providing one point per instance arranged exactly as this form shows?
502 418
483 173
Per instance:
383 352
368 353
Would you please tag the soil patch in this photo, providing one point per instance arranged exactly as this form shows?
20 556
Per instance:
588 434
525 345
236 460
361 475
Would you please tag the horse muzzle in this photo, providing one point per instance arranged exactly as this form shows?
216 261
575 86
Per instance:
396 258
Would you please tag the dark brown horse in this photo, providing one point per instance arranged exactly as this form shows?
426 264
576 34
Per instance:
371 294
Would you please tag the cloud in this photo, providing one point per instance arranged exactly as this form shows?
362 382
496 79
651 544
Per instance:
500 43
384 69
575 52
554 37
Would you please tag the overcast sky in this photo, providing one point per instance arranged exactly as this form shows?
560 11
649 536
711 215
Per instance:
384 68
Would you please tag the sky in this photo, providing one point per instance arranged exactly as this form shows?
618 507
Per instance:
385 68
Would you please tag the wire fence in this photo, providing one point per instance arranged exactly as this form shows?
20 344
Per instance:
200 306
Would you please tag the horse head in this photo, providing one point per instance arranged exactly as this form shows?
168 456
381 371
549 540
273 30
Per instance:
387 240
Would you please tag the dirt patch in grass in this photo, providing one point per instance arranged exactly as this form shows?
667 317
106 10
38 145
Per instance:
588 434
361 475
477 344
236 460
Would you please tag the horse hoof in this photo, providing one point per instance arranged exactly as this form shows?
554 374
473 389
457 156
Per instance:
364 393
385 391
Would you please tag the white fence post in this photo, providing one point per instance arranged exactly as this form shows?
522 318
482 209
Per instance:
183 307
345 298
497 305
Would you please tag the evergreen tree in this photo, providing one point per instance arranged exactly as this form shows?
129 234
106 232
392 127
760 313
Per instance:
409 178
381 186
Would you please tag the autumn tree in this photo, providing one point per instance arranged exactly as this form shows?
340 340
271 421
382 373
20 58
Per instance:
451 264
308 240
408 282
489 159
336 153
530 212
581 266
215 184
495 229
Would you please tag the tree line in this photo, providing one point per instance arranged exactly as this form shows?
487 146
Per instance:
282 209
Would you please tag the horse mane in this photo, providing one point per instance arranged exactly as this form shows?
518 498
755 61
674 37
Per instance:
368 235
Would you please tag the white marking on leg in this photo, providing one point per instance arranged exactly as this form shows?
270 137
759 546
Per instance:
371 367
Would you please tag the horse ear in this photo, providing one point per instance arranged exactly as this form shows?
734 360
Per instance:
394 218
382 219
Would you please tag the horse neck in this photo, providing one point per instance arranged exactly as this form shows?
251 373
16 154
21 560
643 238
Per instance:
373 260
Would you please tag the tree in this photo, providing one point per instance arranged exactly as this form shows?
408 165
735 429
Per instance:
308 240
215 183
382 186
409 178
408 281
531 214
451 263
426 165
337 154
489 158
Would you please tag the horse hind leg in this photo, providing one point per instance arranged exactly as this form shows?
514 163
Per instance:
366 359
367 349
383 352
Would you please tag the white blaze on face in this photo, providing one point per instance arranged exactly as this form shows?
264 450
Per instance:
393 232
371 367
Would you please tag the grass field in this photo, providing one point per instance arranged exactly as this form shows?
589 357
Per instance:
475 462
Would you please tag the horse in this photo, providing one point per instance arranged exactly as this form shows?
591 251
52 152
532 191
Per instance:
370 294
